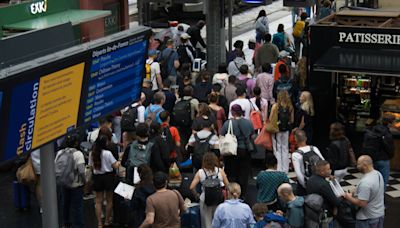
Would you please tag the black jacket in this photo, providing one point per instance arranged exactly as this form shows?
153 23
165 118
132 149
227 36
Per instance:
378 143
337 154
195 36
318 185
138 203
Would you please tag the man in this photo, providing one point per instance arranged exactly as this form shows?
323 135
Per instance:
202 89
298 32
104 122
317 184
153 111
294 206
148 92
249 52
298 161
378 144
233 213
222 101
234 65
195 33
170 98
369 195
283 60
242 101
230 90
164 207
140 108
155 72
169 57
185 109
265 81
185 50
285 83
237 46
267 53
175 136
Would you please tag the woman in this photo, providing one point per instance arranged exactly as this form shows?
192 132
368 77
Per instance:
218 111
305 115
112 147
282 115
260 103
281 40
143 190
268 182
262 26
238 167
233 213
103 162
209 169
204 113
337 153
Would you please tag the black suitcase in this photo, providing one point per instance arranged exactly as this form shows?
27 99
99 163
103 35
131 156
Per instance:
184 189
21 195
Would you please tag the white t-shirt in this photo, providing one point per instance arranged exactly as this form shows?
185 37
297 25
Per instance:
79 159
246 107
298 164
140 111
107 159
203 134
154 71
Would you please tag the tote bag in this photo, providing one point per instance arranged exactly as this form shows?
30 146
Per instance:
26 174
264 139
228 143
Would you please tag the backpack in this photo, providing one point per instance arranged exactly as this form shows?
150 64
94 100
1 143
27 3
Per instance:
212 190
284 85
310 159
200 147
377 141
343 147
148 70
183 113
128 119
152 115
168 144
283 119
201 92
243 83
255 117
138 155
164 65
298 29
65 167
279 40
313 210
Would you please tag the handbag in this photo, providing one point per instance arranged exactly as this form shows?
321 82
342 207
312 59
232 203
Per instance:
228 143
272 127
26 174
264 139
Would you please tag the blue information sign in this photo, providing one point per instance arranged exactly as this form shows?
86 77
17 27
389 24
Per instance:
115 77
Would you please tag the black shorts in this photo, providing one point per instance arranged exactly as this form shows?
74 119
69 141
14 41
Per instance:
103 182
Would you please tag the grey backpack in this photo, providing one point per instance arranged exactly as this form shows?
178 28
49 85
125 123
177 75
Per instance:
313 210
65 167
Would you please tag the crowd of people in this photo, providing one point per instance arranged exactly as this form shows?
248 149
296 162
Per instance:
181 119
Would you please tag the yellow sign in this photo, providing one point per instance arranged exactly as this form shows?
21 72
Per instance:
58 104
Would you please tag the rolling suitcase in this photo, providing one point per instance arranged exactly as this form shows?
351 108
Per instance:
21 196
184 189
191 218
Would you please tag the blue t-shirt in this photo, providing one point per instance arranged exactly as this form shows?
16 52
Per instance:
174 56
268 183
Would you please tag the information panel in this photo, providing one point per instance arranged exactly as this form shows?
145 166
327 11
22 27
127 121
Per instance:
44 109
115 76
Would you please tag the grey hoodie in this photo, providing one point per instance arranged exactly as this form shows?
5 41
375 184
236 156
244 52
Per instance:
295 212
233 67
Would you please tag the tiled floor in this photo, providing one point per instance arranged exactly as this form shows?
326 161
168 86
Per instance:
353 178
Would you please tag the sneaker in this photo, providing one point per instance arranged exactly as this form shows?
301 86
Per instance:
88 196
41 211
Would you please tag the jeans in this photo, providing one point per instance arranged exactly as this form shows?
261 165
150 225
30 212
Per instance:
383 166
73 207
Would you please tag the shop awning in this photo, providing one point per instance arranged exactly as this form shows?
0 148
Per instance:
367 61
75 16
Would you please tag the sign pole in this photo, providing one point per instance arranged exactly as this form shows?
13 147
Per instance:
49 187
230 9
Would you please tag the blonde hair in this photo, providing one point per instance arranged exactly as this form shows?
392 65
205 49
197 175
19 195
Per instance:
302 71
284 100
234 190
308 104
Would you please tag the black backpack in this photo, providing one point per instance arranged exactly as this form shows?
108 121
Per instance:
200 147
183 55
167 141
283 119
310 159
128 119
212 190
343 158
183 113
164 65
377 141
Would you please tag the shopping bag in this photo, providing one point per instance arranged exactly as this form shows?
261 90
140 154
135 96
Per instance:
228 143
272 127
26 174
174 172
264 138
